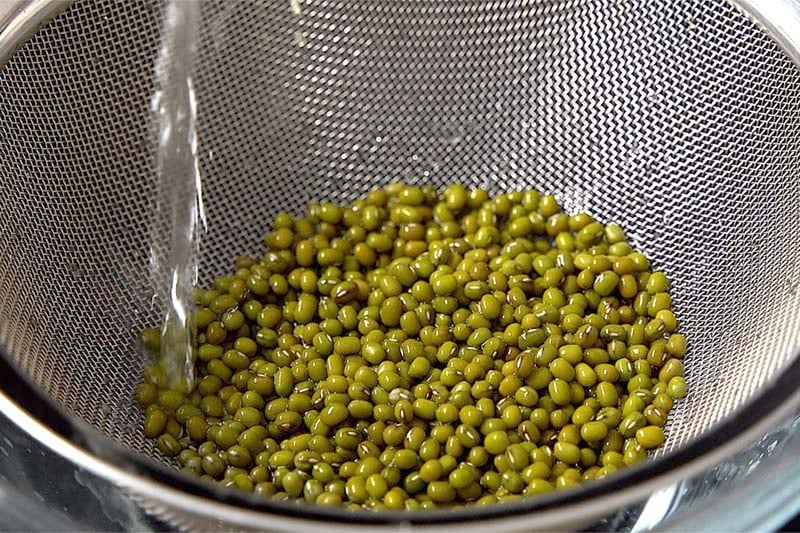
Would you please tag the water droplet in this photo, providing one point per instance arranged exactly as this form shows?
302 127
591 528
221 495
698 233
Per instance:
76 272
793 285
296 9
654 97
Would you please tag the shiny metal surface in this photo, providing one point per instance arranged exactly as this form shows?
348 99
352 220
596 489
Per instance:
20 19
42 491
754 490
779 18
680 121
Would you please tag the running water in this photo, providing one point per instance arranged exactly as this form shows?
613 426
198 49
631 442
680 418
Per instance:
179 219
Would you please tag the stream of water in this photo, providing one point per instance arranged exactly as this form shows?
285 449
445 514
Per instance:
179 220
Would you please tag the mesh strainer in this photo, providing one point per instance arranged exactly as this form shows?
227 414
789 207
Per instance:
680 121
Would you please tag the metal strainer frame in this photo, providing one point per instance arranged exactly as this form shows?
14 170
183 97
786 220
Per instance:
37 413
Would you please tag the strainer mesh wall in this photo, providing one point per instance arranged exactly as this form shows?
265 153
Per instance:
679 120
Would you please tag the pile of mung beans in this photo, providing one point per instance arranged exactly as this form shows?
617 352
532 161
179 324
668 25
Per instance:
419 349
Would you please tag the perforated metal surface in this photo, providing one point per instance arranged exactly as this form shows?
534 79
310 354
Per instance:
681 121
